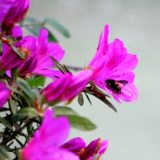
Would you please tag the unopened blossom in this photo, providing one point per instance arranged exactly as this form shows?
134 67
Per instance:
113 69
37 52
67 86
95 148
12 11
47 140
4 94
75 145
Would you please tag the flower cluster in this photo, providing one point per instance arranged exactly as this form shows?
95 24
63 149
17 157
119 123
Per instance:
47 142
26 60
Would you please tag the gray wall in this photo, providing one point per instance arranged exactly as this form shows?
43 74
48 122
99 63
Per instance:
133 132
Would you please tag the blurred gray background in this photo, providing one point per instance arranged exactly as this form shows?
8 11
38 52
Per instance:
133 132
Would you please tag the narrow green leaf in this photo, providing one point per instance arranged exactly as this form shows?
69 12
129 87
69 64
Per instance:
6 123
12 39
88 98
26 88
35 26
57 26
51 37
13 106
59 66
81 123
64 111
80 99
30 130
3 152
16 50
24 113
109 104
38 81
35 30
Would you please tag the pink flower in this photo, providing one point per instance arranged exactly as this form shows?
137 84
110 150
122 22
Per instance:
74 145
67 86
5 93
43 50
36 53
47 140
113 69
78 146
12 11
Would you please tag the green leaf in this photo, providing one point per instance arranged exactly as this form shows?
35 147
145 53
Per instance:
80 99
24 113
38 81
3 152
64 111
16 50
57 26
81 123
107 102
35 30
6 123
26 89
12 39
13 106
75 119
30 130
15 72
51 37
59 66
88 98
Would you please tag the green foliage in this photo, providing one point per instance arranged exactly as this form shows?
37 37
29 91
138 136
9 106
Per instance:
3 152
25 113
27 90
51 37
36 82
64 111
6 123
76 121
81 123
16 50
57 26
13 106
36 25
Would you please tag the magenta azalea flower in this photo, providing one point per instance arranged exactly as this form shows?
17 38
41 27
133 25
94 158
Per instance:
36 53
47 140
113 69
12 11
5 93
75 145
78 146
67 86
43 51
